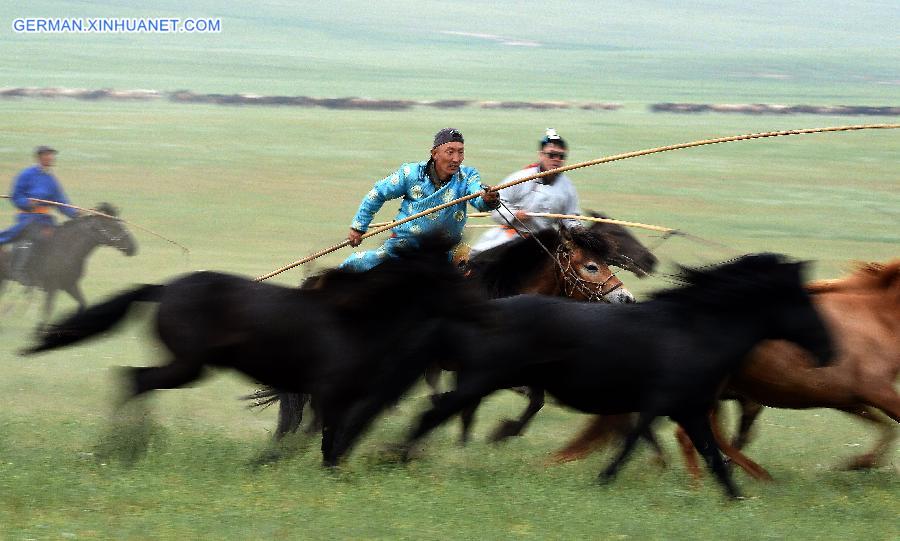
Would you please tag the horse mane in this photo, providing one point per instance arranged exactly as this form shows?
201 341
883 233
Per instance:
868 275
107 208
750 279
426 267
503 270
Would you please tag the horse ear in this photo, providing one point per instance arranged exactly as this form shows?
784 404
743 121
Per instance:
107 208
566 236
612 245
598 214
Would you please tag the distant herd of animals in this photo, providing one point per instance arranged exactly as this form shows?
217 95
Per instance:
543 314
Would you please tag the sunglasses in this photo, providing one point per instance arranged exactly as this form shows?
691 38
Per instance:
555 155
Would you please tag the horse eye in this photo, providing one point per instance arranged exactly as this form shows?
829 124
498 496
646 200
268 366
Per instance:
591 267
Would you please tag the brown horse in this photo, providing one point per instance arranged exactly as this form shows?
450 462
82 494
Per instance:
862 312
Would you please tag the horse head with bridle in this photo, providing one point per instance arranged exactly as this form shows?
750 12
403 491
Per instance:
565 263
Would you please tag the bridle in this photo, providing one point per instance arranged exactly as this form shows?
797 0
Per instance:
572 282
97 225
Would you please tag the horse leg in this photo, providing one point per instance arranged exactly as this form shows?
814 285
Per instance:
467 415
888 431
508 427
645 420
746 463
330 418
49 300
290 413
885 398
356 418
466 418
316 421
74 291
698 429
750 410
177 373
433 379
650 438
346 430
599 430
689 454
467 395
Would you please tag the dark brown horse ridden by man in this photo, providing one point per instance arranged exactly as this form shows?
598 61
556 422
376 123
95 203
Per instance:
60 254
666 356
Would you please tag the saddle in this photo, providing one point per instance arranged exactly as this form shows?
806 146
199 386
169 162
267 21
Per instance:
460 258
28 253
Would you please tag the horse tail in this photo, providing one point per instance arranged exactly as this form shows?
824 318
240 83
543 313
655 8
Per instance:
94 320
263 397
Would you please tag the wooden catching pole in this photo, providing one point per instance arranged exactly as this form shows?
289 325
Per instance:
98 213
580 217
623 223
580 165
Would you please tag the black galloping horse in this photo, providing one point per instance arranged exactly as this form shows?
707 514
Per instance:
321 341
59 262
667 356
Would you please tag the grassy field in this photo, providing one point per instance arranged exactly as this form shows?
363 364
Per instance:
249 189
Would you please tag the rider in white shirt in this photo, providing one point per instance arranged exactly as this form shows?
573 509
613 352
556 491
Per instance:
551 194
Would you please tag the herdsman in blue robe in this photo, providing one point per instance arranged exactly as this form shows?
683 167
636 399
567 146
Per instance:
34 219
422 186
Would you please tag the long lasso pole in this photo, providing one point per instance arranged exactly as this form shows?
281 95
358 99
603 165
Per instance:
580 165
98 213
581 217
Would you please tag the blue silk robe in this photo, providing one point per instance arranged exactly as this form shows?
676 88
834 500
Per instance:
418 193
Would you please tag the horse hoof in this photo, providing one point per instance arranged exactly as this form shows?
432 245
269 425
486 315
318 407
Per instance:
396 453
266 458
605 478
505 430
862 462
562 458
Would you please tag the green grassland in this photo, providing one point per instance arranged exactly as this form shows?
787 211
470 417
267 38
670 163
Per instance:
249 189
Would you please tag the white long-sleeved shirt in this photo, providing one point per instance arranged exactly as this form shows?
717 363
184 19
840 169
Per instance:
531 196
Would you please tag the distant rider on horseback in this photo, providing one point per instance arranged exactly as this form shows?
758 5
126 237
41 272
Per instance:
34 222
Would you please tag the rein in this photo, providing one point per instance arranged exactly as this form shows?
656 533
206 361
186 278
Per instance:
103 214
592 291
599 161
